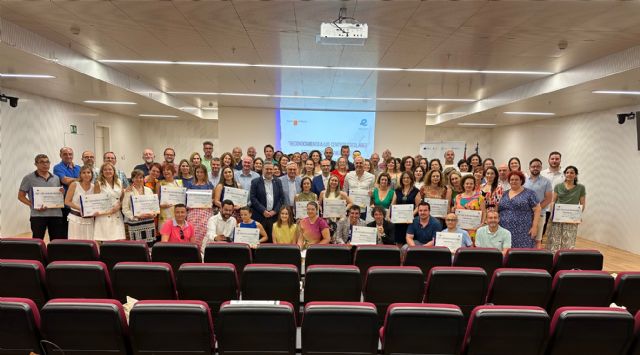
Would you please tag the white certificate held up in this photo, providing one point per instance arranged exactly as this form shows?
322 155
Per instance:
172 195
249 236
95 203
563 213
453 241
360 197
439 207
402 213
361 235
144 204
199 198
49 197
469 219
239 197
333 208
301 209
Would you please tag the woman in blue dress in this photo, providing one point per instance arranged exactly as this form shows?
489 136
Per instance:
519 211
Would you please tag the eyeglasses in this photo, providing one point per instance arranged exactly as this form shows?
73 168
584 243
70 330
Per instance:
451 219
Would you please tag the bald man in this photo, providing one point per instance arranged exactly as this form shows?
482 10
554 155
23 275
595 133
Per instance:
147 157
246 175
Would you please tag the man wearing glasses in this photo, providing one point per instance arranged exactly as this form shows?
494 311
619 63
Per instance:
42 218
544 191
451 221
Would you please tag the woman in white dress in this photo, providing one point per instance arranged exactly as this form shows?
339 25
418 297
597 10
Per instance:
80 227
110 225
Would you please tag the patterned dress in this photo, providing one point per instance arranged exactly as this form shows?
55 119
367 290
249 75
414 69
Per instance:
470 203
516 216
198 217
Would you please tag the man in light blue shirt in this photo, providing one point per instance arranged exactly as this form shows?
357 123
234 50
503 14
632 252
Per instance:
492 235
451 220
544 193
291 184
246 175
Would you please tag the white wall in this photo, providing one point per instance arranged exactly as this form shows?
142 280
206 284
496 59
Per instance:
608 161
244 127
185 137
472 136
42 125
400 132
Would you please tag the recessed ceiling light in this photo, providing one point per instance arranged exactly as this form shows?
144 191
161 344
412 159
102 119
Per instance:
104 102
159 116
529 113
209 108
616 92
27 76
206 93
431 114
320 67
477 124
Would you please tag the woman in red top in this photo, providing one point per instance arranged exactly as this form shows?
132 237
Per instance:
341 170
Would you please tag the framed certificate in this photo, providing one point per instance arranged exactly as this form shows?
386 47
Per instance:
95 203
49 197
363 235
249 236
301 209
144 204
439 207
453 241
239 197
402 213
360 197
469 219
173 195
199 198
563 213
333 208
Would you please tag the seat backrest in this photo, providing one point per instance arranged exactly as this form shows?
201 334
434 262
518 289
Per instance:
268 253
85 327
520 287
72 250
208 282
23 249
262 327
116 251
78 279
634 349
19 326
143 281
581 288
23 279
238 254
385 285
339 328
489 259
176 327
590 330
277 282
421 328
427 257
529 258
376 255
465 287
581 259
505 330
332 283
328 254
175 254
627 291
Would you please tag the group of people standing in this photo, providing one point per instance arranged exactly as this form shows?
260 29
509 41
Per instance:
515 207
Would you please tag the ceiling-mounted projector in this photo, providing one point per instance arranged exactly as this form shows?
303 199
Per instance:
345 31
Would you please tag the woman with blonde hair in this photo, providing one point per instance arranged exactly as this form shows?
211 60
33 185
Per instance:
109 225
80 227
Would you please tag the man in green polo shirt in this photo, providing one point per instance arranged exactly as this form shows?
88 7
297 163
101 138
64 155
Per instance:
493 235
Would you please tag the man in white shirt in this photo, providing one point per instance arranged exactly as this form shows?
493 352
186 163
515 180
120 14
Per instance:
555 175
291 184
220 227
359 179
503 177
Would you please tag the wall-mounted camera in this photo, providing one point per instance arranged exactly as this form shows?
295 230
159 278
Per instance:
13 101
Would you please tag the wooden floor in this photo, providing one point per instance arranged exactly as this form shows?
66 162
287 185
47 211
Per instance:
615 260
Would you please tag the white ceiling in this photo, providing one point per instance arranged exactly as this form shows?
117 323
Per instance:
478 35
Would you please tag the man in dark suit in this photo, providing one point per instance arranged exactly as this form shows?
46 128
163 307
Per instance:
319 183
267 197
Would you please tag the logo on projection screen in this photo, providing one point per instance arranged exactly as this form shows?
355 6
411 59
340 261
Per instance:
295 122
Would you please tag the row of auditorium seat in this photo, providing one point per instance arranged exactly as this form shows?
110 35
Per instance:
215 283
186 327
240 255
